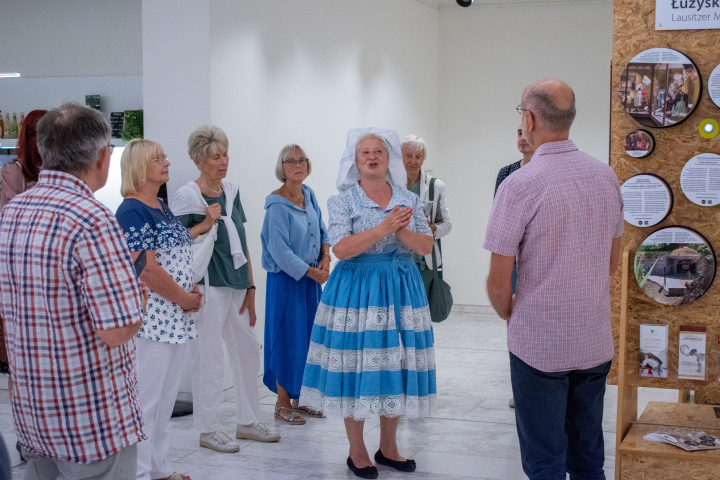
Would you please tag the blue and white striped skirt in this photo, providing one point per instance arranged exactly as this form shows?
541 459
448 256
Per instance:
371 348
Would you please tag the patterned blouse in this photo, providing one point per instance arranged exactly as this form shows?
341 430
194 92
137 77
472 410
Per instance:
148 228
353 212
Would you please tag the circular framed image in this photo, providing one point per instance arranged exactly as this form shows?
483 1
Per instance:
674 265
647 200
660 87
700 179
714 86
639 143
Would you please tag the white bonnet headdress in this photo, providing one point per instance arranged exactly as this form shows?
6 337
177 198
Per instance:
348 174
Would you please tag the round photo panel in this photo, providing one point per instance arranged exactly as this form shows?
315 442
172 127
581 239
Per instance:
674 265
714 86
660 87
700 179
639 143
648 200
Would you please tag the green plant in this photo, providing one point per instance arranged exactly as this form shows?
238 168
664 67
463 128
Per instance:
133 125
640 274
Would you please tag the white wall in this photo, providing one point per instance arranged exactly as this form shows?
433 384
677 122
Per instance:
487 57
176 77
66 50
70 38
305 72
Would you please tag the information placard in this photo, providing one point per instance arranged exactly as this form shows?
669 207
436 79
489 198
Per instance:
700 179
648 200
714 86
687 14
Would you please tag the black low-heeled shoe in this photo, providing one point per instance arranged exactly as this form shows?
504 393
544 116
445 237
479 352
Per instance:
365 472
406 466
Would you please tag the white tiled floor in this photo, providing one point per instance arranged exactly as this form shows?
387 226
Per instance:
472 437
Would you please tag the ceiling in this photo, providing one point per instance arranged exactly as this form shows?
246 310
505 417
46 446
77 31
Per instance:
444 4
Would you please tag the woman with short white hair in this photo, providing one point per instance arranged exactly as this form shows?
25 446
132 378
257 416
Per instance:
431 191
228 312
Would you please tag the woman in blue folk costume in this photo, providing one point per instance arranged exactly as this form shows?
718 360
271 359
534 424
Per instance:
371 348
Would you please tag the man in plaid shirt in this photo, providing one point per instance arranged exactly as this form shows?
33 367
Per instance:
72 305
561 216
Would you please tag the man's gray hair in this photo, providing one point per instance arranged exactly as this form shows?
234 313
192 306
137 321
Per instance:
71 138
542 104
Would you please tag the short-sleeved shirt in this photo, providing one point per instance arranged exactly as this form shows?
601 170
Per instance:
559 214
221 270
353 212
292 236
65 273
148 228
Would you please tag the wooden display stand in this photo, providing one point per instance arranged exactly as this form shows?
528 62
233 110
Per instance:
635 457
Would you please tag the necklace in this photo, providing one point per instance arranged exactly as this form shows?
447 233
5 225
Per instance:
290 194
216 192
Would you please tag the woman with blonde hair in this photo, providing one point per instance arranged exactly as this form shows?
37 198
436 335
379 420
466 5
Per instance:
152 232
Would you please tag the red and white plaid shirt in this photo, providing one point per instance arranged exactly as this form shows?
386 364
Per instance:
558 214
65 272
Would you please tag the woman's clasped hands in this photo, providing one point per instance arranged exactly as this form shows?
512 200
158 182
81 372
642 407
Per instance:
398 219
193 301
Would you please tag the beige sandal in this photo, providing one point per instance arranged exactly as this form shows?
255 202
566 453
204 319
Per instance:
176 476
292 418
310 412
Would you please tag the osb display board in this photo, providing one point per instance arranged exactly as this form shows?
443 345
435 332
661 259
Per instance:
633 33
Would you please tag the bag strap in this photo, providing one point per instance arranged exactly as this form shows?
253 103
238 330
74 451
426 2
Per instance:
431 193
433 215
22 175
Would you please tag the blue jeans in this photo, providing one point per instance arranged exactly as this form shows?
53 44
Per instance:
559 421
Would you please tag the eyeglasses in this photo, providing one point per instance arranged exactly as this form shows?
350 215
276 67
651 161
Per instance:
160 159
292 161
111 147
521 111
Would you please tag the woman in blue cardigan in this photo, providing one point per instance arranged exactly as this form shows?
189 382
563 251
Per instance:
296 255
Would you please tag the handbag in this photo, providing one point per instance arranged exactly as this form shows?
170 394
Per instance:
440 298
202 248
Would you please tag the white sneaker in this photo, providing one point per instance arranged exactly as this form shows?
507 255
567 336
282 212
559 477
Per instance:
256 431
218 441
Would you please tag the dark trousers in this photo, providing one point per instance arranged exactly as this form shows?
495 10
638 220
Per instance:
559 421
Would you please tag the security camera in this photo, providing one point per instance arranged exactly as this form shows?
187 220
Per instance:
464 3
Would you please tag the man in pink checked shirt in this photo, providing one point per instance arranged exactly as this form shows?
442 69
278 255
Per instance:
72 305
561 217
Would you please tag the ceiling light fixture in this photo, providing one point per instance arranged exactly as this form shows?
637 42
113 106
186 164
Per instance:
10 75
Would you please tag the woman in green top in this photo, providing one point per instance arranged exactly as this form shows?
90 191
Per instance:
228 311
414 151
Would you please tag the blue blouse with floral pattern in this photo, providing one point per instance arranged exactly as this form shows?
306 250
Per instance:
148 228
